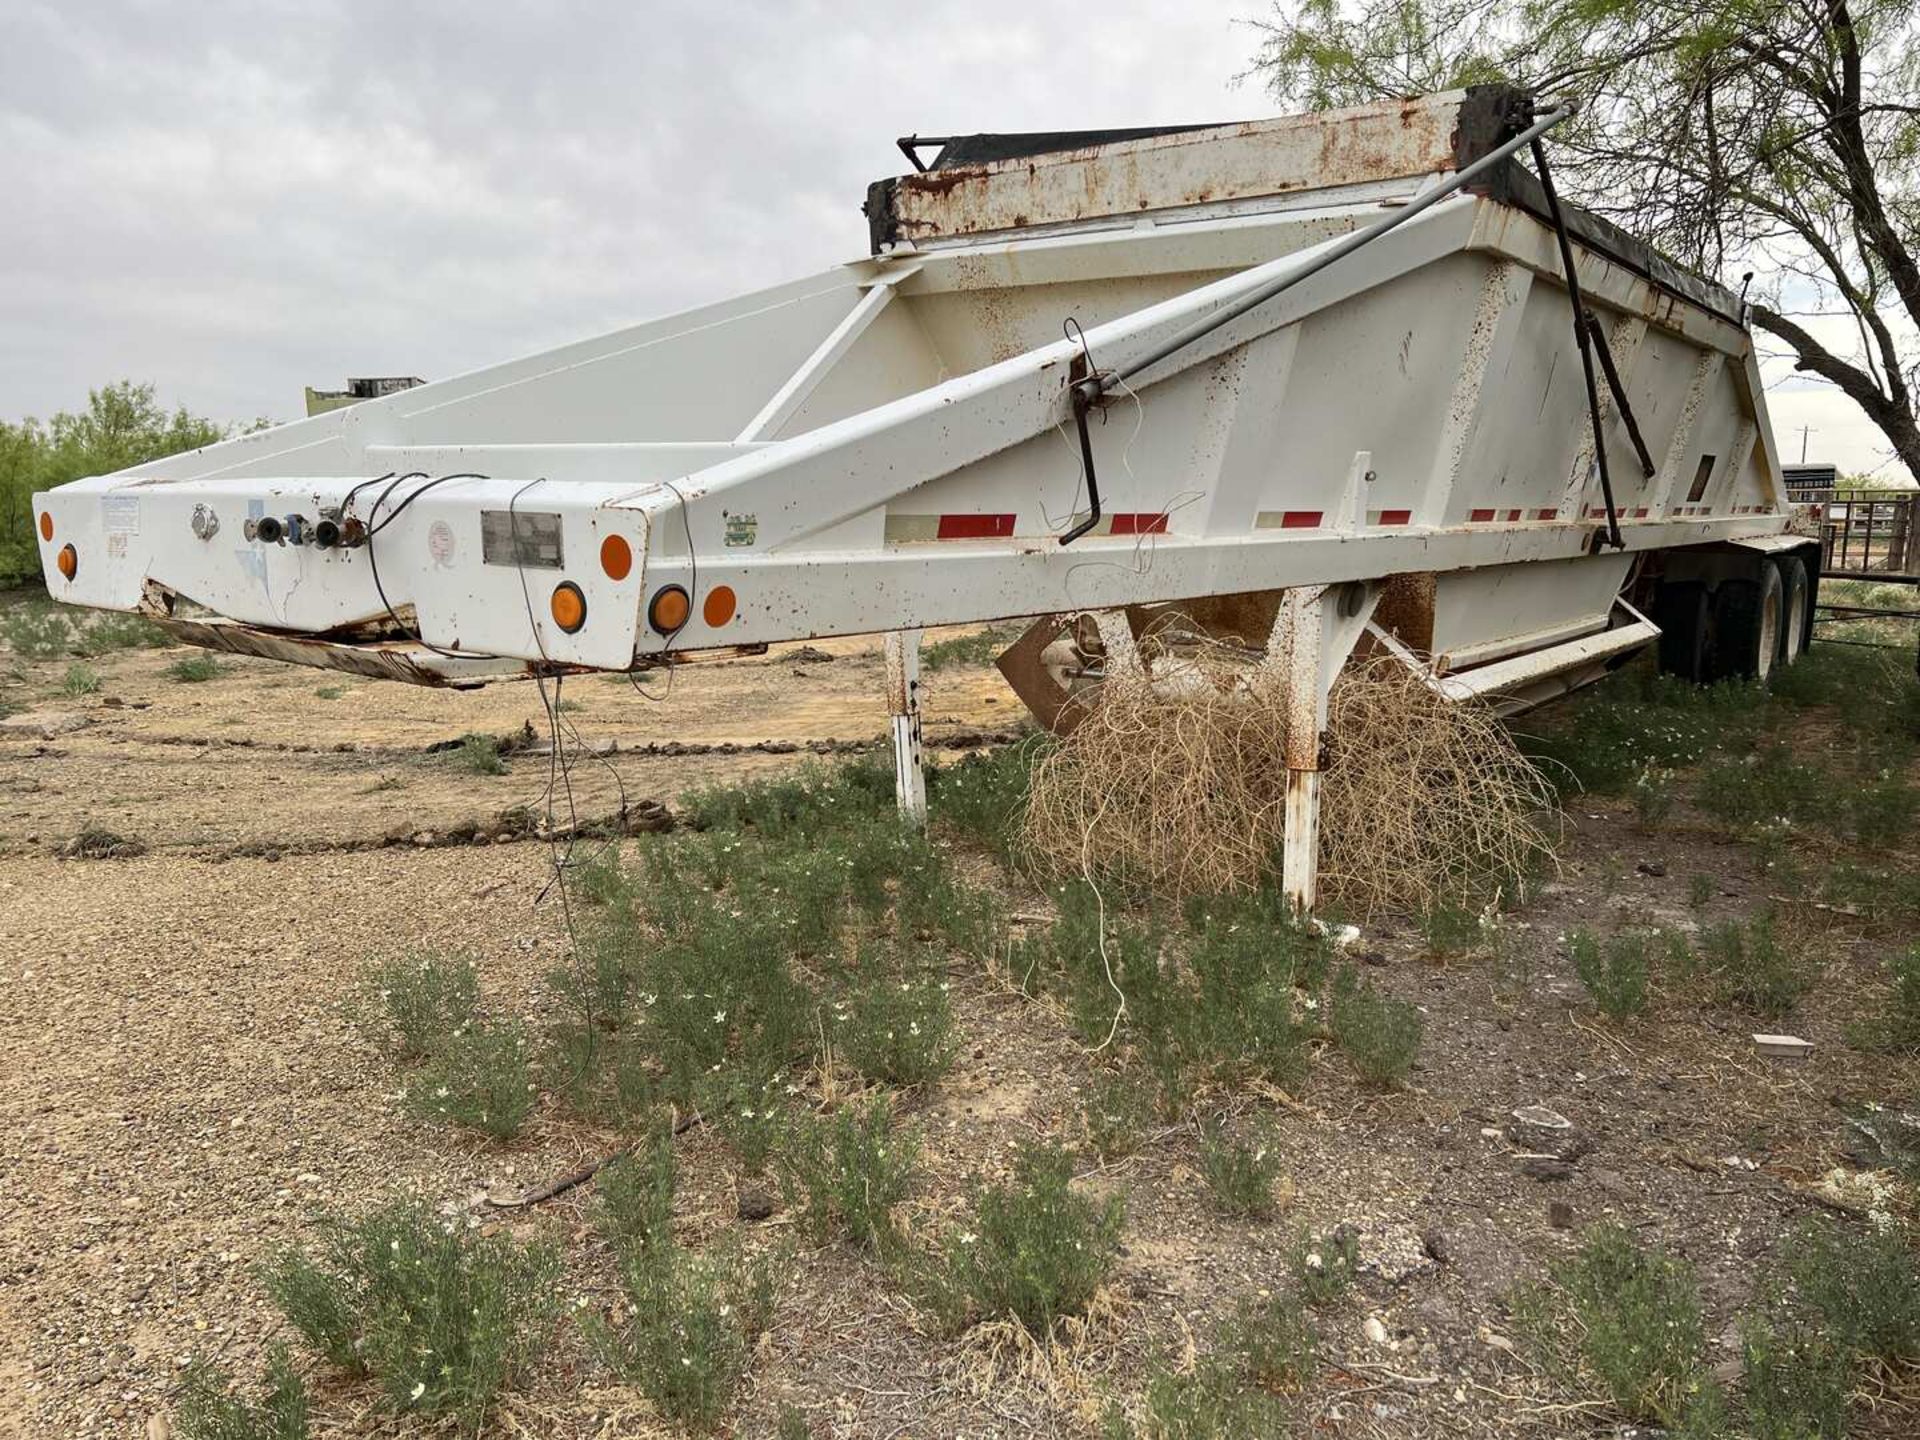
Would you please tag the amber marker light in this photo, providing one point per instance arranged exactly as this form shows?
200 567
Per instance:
718 609
46 525
569 606
616 557
68 560
669 610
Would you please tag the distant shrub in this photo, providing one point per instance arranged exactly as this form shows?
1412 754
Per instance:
1035 1251
1273 1341
1752 970
1209 1403
80 680
1239 1175
193 669
441 1316
852 1170
1379 1035
37 631
1450 930
1614 970
1625 1321
477 755
108 631
1896 1029
422 1001
1653 797
210 1410
1701 889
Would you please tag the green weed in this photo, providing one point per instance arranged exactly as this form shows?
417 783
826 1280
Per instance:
897 1031
420 1002
1614 971
1896 1029
1449 930
1036 1250
194 669
1272 1340
330 692
1379 1035
1239 1175
1324 1265
1700 890
1752 970
1861 1288
210 1410
1627 1322
1210 1403
441 1316
480 1078
1653 797
1117 1114
477 755
852 1170
1881 809
37 632
984 795
80 680
980 648
1796 1381
636 1197
108 631
815 798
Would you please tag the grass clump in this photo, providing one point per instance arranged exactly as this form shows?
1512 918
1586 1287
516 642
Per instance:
210 1409
1324 1266
799 804
980 648
1624 1321
442 1317
1614 970
1860 1288
1896 1029
852 1170
1239 1175
423 1001
897 1031
1751 969
80 679
1449 930
1795 1380
636 1198
1037 1250
194 669
983 795
1117 1113
1378 1034
477 755
480 1078
1264 1350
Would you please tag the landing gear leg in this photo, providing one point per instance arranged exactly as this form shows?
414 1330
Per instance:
903 704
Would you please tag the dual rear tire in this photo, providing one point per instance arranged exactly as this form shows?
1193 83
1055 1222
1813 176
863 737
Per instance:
1744 628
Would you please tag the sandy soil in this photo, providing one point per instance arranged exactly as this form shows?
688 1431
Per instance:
181 1090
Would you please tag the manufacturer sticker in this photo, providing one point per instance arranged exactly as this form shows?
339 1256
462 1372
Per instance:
523 539
120 514
742 530
440 544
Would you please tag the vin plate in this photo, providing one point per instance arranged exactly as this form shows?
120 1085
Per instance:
523 539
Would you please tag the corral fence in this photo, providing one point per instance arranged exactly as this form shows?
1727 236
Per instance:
1868 534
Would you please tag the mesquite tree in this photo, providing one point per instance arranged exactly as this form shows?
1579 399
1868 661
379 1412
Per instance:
1779 136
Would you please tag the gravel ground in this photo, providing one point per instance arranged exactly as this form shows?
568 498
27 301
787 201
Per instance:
182 1091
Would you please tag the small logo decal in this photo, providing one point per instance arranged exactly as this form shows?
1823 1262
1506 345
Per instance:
742 530
440 543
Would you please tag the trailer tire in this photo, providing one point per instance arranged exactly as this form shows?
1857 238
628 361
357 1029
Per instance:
1796 611
1746 626
1685 616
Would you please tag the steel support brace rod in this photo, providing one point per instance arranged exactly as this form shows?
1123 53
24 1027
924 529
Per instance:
1583 336
903 705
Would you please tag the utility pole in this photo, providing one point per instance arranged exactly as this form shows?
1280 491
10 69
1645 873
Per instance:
1803 443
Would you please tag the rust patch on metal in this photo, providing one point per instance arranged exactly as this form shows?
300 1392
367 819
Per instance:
1406 609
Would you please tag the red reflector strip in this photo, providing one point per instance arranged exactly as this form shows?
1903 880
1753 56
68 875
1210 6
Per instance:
1640 512
1140 524
974 527
1546 514
1480 517
1513 514
1300 519
1395 517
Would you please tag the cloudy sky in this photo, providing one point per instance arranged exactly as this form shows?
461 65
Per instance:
233 200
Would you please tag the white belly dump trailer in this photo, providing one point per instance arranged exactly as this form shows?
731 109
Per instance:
1329 371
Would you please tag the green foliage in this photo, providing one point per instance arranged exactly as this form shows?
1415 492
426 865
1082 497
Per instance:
800 804
210 1410
1378 1034
1700 890
852 1170
1882 808
195 669
441 1316
1653 797
36 630
420 1002
1117 1114
985 794
1752 970
636 1197
1239 1175
982 647
1208 1404
1324 1265
1272 1341
1449 930
122 425
330 692
477 755
1625 1321
1896 1029
80 680
1605 740
1614 970
897 1031
694 1322
1861 1288
1796 1381
1036 1250
480 1078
